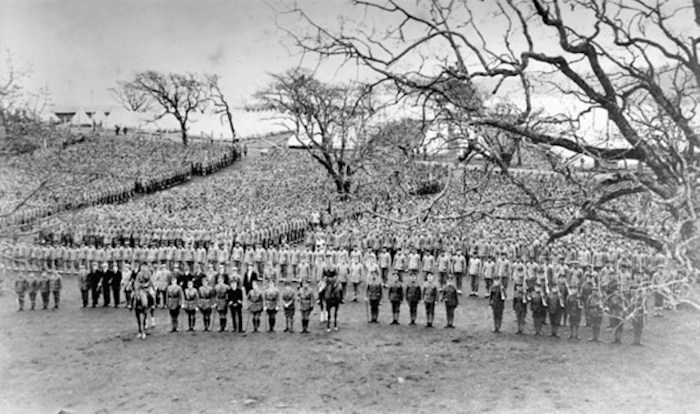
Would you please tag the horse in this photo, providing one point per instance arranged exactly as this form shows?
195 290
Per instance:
143 303
333 297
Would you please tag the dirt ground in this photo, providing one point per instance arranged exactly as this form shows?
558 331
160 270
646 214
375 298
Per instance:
89 360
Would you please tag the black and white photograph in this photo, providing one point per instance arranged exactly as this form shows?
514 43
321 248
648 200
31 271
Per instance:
349 206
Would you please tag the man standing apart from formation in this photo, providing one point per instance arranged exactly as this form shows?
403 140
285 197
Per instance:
450 297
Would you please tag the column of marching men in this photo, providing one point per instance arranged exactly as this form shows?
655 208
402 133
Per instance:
569 286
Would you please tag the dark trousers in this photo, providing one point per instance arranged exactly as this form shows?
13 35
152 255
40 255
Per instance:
450 312
45 299
206 317
84 296
413 311
94 293
237 318
106 294
116 294
374 309
497 317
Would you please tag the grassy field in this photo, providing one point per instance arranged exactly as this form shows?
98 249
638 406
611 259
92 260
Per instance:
89 360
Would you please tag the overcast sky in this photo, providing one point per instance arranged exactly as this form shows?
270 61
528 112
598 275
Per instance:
79 48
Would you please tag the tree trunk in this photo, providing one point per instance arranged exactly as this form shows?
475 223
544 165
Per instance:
185 139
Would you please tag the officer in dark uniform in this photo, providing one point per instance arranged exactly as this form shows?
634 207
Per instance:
395 297
413 297
272 297
306 305
116 284
451 299
255 304
94 278
175 302
497 300
430 296
374 296
288 299
235 302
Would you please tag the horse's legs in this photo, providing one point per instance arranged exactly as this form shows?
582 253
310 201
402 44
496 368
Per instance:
335 317
153 319
138 320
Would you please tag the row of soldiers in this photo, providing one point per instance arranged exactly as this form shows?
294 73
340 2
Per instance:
46 285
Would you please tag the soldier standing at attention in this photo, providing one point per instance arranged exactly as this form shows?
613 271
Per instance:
450 297
430 296
83 284
288 298
116 284
272 296
255 305
520 300
45 289
395 297
206 299
539 308
595 312
374 296
175 301
191 304
497 300
617 316
21 287
574 309
306 305
413 297
221 293
555 308
55 285
33 283
235 303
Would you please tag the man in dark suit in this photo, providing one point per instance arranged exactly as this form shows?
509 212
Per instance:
116 284
94 278
249 276
106 283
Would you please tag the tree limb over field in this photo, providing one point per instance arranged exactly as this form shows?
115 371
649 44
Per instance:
633 62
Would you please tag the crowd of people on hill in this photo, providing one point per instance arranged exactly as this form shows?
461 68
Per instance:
100 170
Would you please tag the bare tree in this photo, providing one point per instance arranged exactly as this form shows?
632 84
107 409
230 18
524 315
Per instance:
130 97
221 104
633 63
179 95
332 122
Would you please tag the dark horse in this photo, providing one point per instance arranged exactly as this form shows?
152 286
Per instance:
332 296
142 305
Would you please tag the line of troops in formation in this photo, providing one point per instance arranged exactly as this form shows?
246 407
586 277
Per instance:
561 291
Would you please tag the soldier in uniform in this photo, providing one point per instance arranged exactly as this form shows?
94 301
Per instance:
175 302
255 305
520 299
497 300
413 297
272 296
395 297
83 284
595 312
55 286
106 283
574 309
44 289
33 283
638 313
21 287
206 300
221 293
538 304
94 279
374 296
617 316
191 301
430 296
451 299
116 284
235 302
288 298
555 308
306 305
